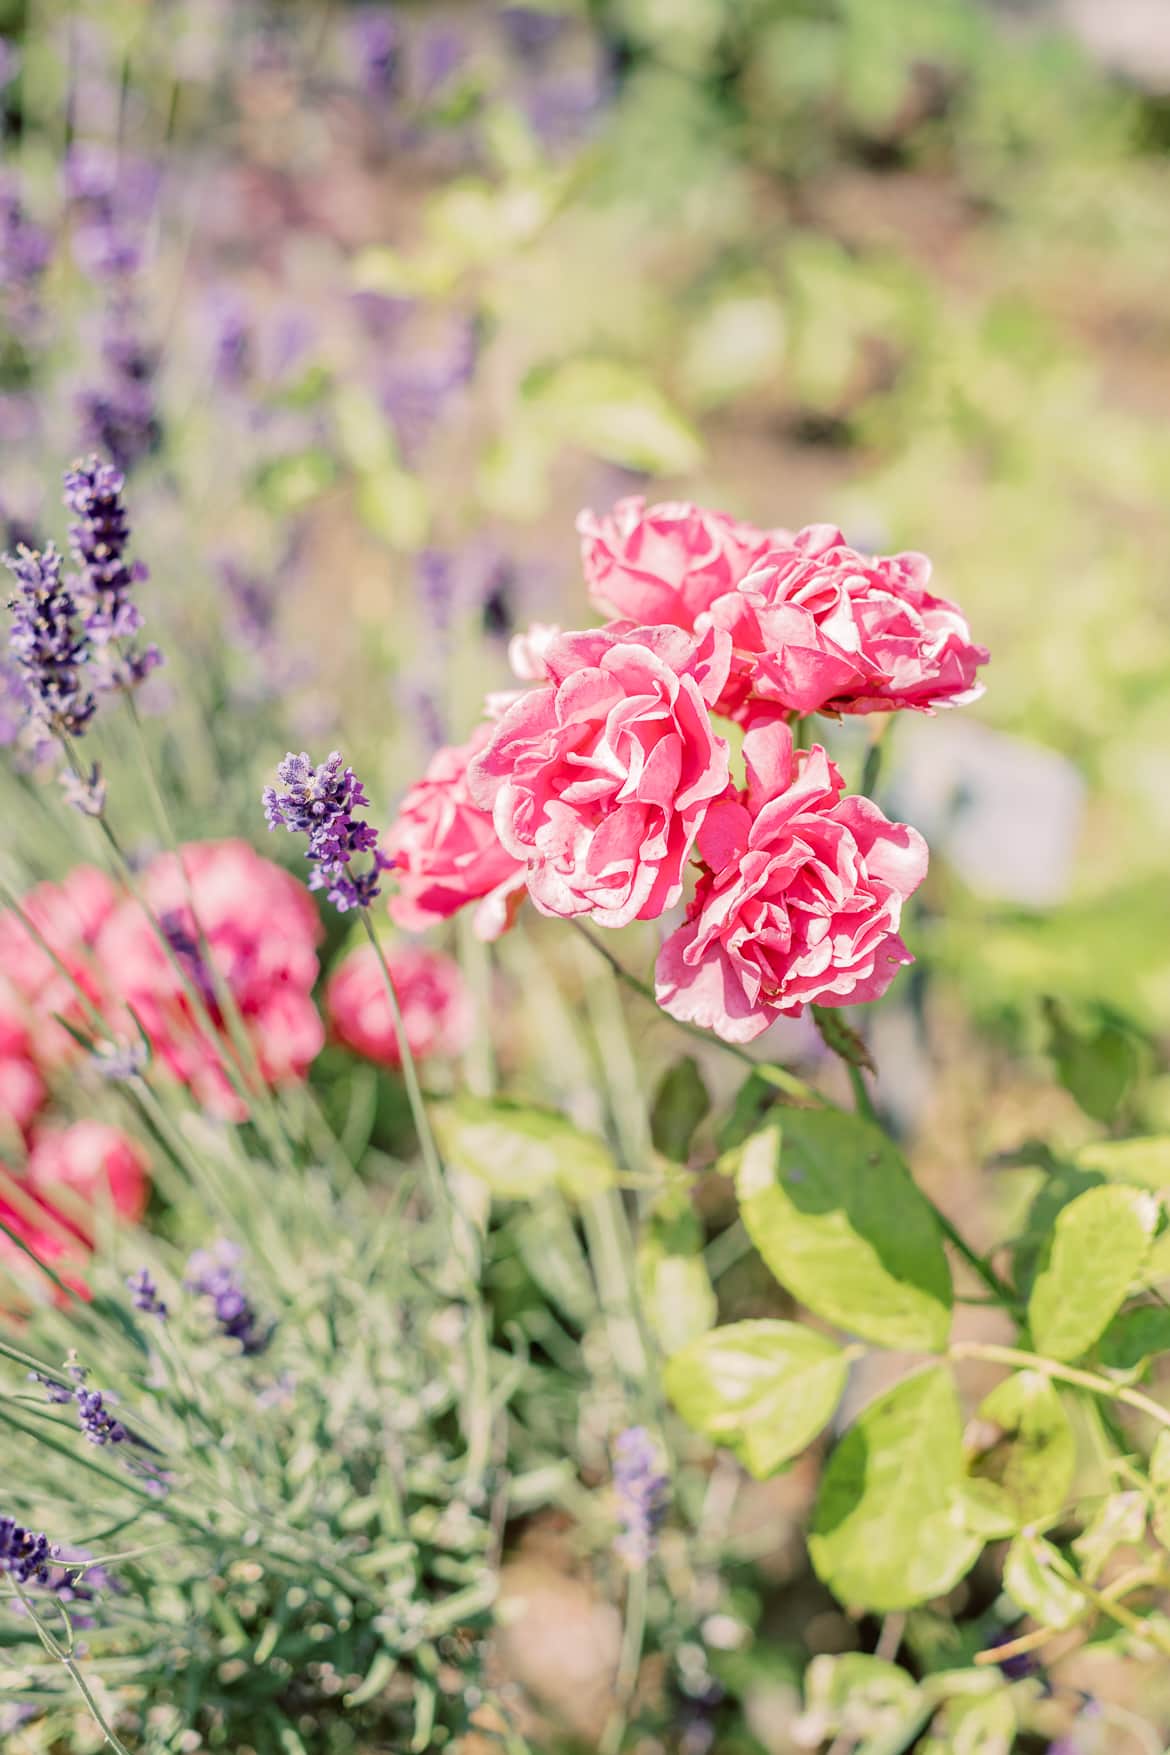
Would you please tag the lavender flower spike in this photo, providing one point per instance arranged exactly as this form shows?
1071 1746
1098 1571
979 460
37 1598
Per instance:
98 540
23 1554
640 1488
321 803
214 1273
49 651
144 1295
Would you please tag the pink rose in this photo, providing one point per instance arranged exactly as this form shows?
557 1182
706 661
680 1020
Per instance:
600 779
800 902
68 918
667 564
447 853
818 627
261 931
76 1171
22 1089
435 1006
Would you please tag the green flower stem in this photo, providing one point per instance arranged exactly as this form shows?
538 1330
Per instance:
1020 1360
979 1264
203 1017
629 1662
225 998
66 1659
478 1408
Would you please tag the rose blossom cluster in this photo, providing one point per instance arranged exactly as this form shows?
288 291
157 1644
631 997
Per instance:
216 927
601 788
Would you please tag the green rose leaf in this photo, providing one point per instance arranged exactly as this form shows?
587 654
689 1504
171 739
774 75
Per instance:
1136 1336
680 1104
889 1531
677 1295
1143 1162
983 1724
520 1151
1118 1522
1032 1578
830 1205
764 1389
1034 1459
1099 1246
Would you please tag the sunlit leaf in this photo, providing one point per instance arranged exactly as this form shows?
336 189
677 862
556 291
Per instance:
1034 1459
1031 1579
521 1151
763 1389
1099 1246
833 1210
888 1529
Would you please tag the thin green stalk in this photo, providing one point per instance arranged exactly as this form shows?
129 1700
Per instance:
223 993
478 1409
780 1077
68 1662
1021 1360
629 1663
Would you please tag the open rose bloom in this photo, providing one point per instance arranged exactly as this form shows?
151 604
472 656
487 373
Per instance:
436 1008
799 900
599 778
600 787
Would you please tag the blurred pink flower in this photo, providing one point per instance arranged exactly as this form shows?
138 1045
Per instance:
68 917
435 1005
800 901
599 779
22 1089
261 931
74 1171
666 564
447 853
817 626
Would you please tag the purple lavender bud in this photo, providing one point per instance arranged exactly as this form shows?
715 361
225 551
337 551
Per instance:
98 1425
24 1555
641 1491
321 803
86 791
25 251
377 43
77 1584
144 1295
97 542
530 30
178 929
214 1274
120 1063
233 341
46 646
442 52
119 417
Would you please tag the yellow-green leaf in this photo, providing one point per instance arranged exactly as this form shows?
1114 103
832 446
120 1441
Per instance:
1099 1246
888 1531
763 1389
830 1205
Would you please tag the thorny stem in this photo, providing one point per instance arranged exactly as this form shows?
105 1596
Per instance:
478 1414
